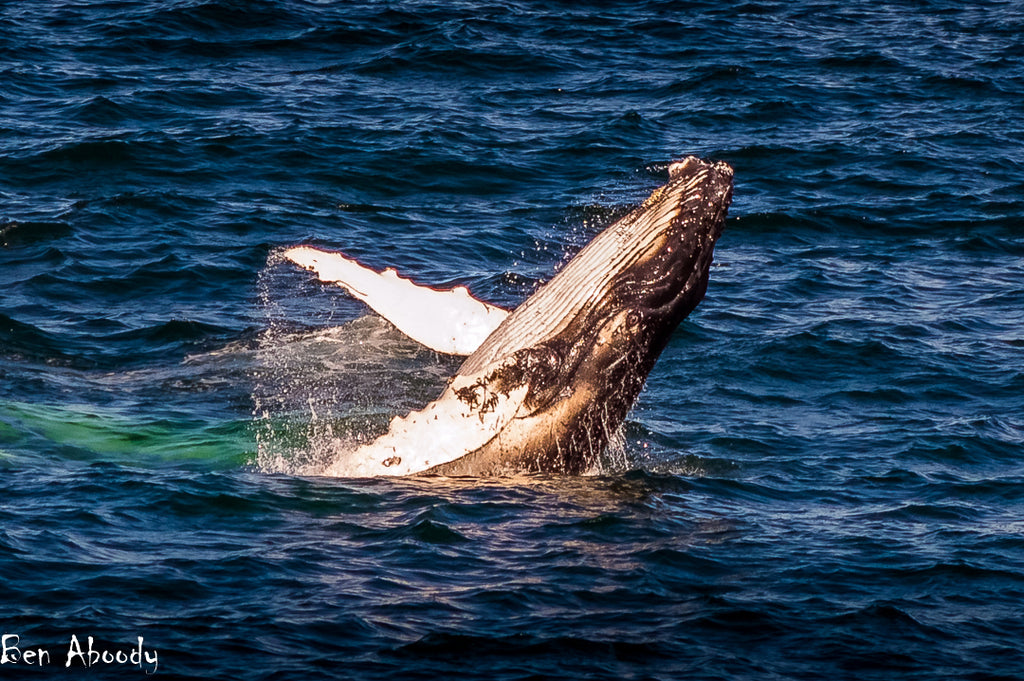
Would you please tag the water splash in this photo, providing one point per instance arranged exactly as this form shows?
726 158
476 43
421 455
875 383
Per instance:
327 376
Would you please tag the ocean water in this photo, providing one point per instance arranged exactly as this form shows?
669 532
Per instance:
823 479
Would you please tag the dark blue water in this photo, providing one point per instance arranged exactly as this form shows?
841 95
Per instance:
823 479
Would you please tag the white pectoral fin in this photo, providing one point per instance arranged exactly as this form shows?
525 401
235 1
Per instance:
452 321
463 419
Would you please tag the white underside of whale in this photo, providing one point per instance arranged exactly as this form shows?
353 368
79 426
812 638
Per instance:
443 431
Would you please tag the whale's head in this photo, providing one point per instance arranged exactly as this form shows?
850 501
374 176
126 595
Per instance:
584 343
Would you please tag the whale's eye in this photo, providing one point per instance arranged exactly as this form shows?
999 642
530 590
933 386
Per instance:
627 328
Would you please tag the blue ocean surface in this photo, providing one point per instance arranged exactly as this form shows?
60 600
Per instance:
824 478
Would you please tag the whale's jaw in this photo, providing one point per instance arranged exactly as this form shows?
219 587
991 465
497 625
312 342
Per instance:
577 353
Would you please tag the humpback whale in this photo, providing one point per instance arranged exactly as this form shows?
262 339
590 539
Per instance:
544 387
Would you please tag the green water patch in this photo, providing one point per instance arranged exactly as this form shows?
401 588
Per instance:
90 433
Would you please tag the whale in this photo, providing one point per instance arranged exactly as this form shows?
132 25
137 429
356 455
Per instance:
545 387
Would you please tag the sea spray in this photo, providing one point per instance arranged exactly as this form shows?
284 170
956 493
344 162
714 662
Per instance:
328 373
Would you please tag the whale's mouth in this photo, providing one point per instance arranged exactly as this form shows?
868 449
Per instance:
671 278
655 259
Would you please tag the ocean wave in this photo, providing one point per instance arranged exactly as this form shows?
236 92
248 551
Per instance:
822 477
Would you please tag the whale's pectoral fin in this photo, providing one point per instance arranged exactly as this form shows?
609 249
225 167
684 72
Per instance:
471 412
452 321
